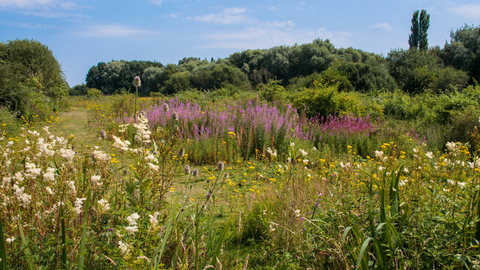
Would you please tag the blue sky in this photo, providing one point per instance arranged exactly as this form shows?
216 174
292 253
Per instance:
82 33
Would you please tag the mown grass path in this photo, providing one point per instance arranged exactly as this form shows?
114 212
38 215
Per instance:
74 121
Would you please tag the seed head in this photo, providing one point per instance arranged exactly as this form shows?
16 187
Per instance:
137 82
175 116
176 128
220 166
103 134
165 107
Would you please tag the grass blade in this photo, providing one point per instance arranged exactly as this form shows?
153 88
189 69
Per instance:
81 260
25 248
362 260
64 238
3 256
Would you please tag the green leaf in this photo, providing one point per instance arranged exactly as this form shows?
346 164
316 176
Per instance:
3 256
363 260
28 254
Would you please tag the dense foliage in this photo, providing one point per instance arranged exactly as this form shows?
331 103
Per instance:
31 79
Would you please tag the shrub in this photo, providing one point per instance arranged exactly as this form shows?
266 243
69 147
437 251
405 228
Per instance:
94 93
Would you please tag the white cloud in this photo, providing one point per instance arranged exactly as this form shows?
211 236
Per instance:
265 37
227 16
157 2
468 10
173 15
29 25
35 4
384 26
115 30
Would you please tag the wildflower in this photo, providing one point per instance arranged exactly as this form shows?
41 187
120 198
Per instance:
150 157
124 247
79 205
143 257
165 107
175 116
220 166
314 149
429 155
451 146
378 154
461 184
104 205
303 152
10 240
96 180
272 152
49 190
49 175
122 145
100 155
154 219
136 81
31 171
345 166
71 185
67 154
153 167
103 134
305 161
297 213
292 144
415 150
132 219
187 169
195 173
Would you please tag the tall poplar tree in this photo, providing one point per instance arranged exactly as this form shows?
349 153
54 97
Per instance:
418 37
413 38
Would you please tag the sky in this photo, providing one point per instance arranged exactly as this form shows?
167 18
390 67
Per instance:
82 33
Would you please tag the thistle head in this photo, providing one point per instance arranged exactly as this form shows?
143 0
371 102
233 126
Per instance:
103 134
137 82
220 166
175 116
187 169
195 173
165 107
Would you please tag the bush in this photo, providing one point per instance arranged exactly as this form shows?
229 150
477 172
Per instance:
93 92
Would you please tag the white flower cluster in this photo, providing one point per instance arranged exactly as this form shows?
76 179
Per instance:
154 219
272 152
346 165
96 180
22 197
143 131
303 152
124 248
122 145
67 154
100 155
32 171
49 175
153 167
79 205
44 149
123 128
132 221
104 205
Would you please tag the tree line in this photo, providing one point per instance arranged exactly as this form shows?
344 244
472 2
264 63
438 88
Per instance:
414 70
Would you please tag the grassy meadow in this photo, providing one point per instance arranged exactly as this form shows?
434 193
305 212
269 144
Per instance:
235 182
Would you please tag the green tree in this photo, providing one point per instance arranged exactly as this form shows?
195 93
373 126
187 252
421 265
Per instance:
418 37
